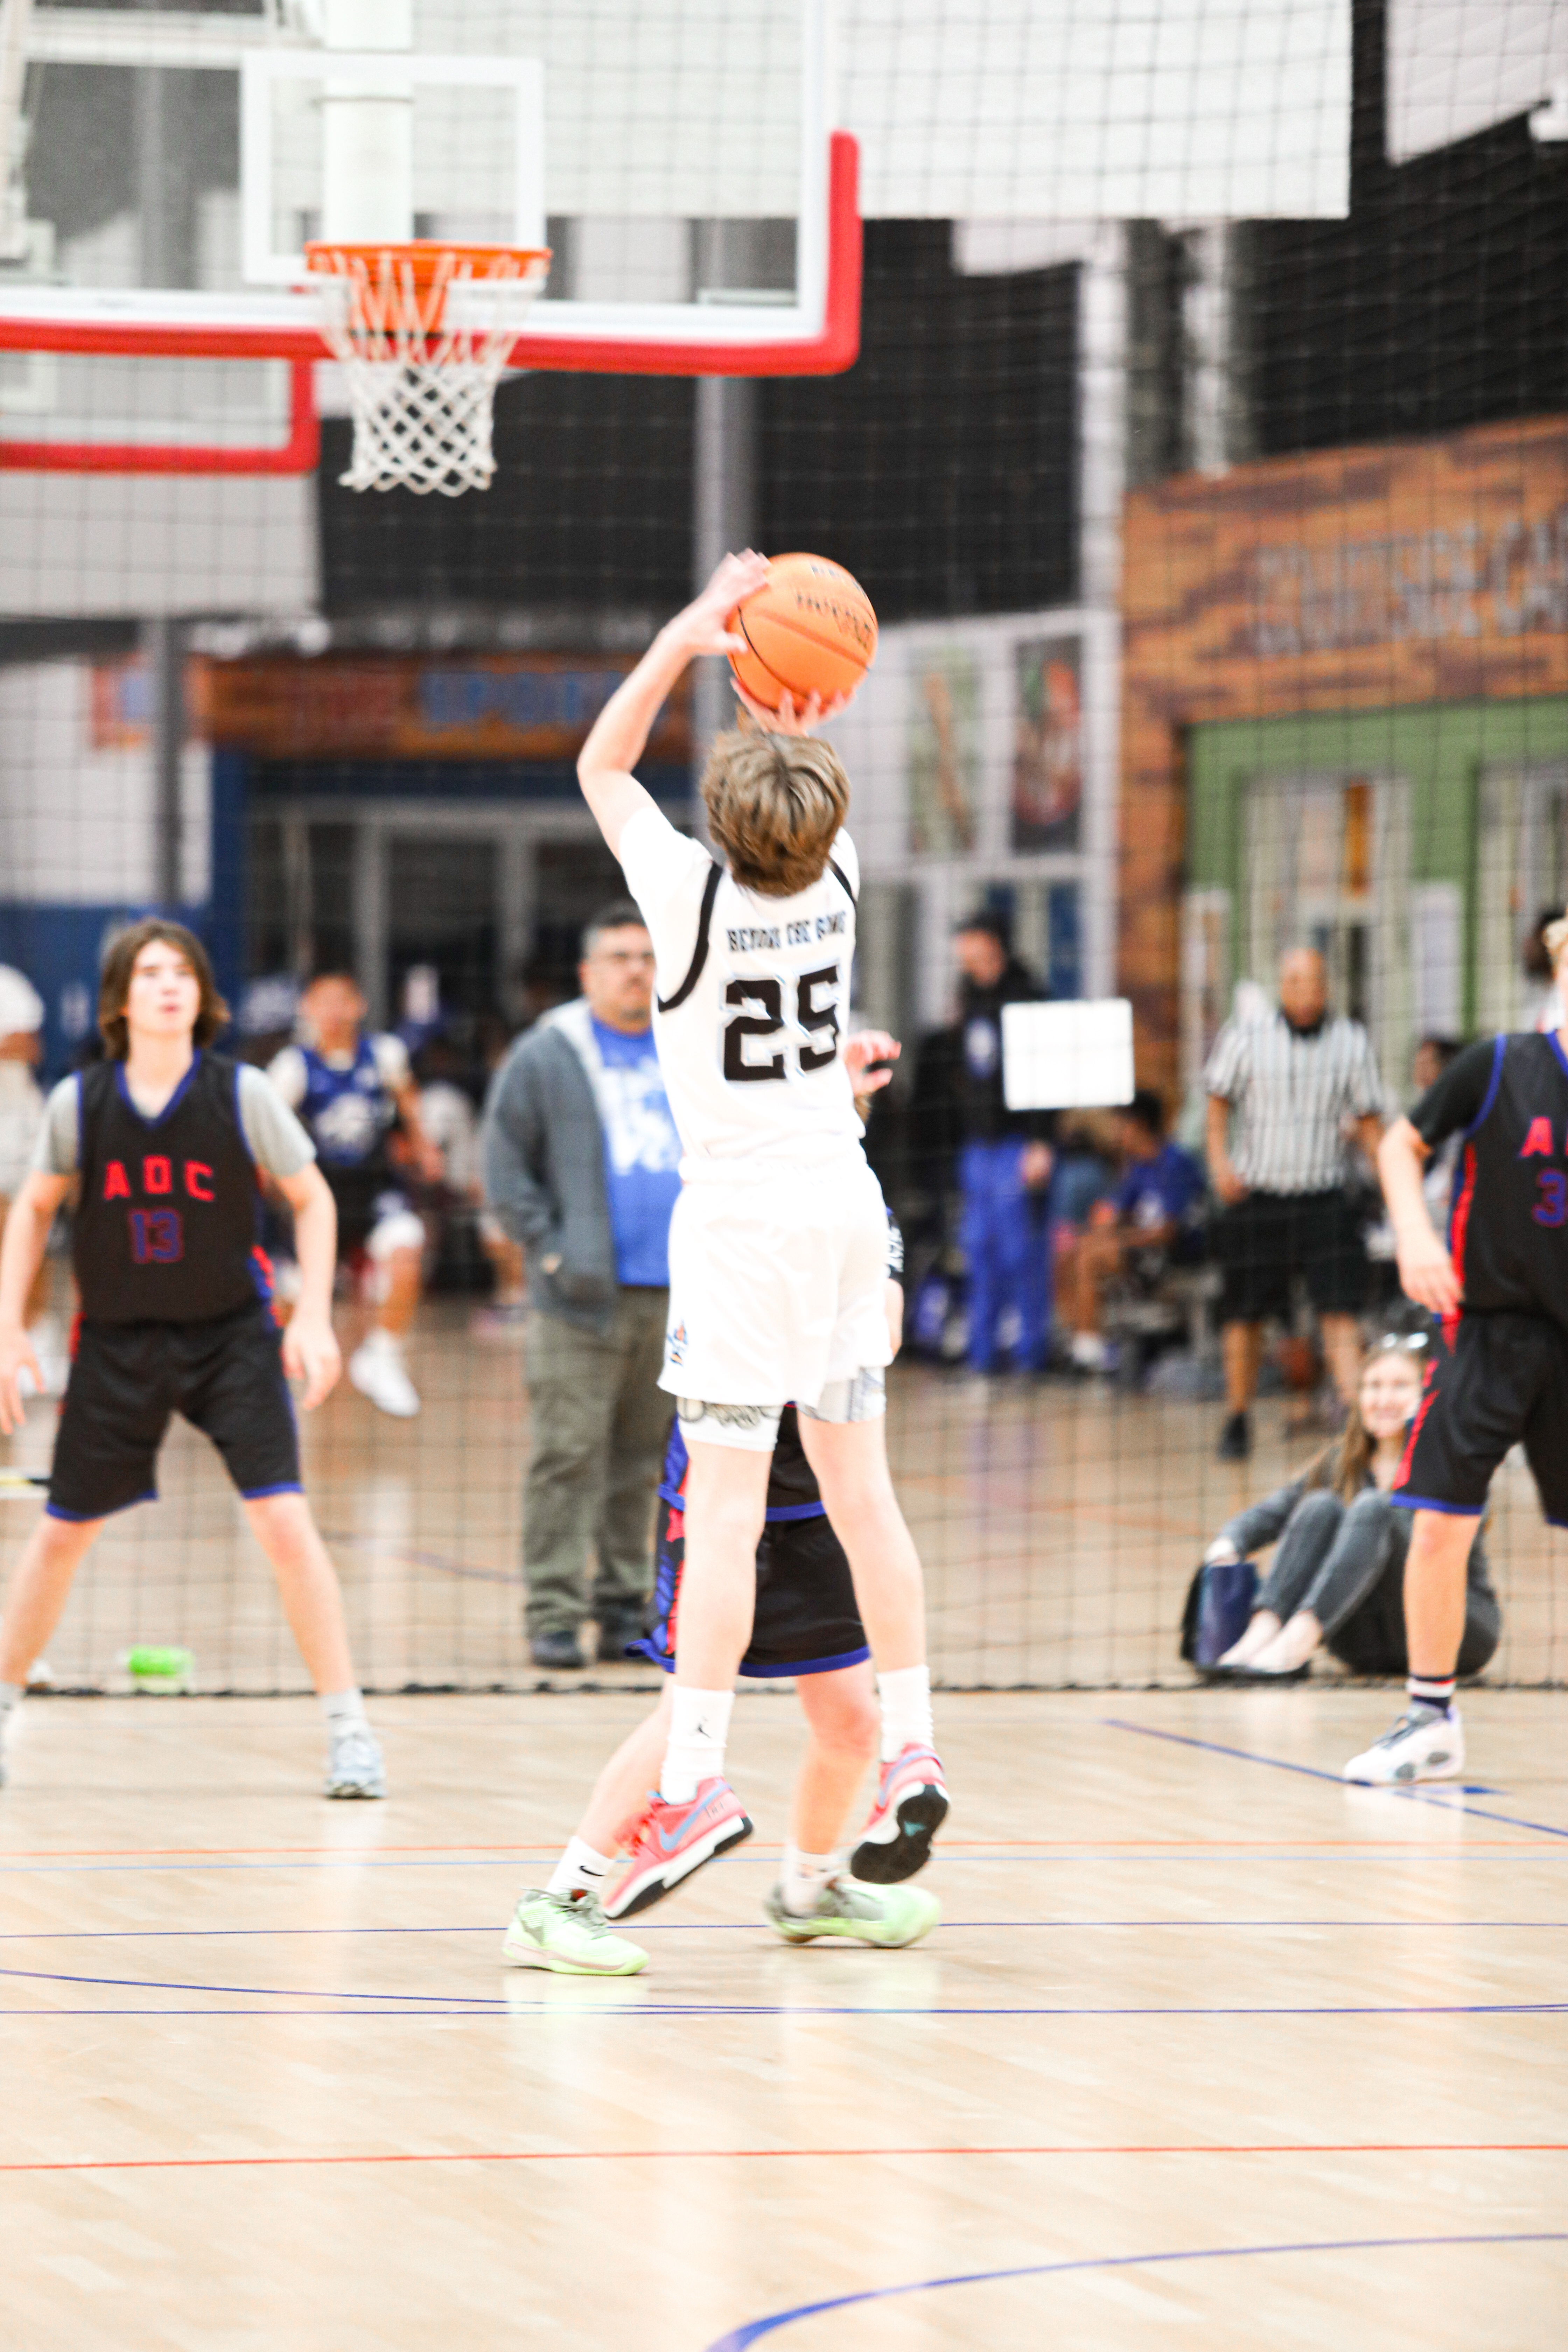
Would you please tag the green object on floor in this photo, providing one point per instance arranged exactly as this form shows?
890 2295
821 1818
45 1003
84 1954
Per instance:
152 1668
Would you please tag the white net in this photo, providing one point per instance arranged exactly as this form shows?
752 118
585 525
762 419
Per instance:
423 343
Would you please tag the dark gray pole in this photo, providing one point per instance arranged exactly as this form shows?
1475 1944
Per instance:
164 643
725 518
724 501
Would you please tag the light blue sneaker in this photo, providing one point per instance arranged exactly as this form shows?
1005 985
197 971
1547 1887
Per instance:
355 1768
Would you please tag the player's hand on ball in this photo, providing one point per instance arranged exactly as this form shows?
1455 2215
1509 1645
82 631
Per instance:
1427 1273
866 1048
787 719
310 1354
16 1356
705 622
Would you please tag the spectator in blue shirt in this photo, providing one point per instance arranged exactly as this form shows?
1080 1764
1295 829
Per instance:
1152 1218
582 1165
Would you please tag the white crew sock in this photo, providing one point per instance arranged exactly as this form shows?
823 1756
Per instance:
803 1878
905 1695
580 1870
342 1707
698 1728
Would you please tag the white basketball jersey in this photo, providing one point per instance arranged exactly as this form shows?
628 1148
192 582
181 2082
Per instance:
753 999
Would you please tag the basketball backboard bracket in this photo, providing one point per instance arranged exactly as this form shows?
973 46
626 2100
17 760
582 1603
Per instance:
386 74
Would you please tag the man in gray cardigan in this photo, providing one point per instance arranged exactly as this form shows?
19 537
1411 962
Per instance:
582 1166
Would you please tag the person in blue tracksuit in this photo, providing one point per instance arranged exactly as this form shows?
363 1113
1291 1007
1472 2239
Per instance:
1004 1157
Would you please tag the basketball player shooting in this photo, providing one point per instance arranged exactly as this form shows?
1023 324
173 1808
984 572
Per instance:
162 1141
778 1243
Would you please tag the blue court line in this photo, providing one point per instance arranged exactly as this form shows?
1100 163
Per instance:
482 2004
435 1559
738 2339
275 1992
1223 1850
1316 1772
35 2016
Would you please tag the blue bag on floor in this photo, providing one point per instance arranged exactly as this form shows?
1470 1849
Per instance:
1220 1603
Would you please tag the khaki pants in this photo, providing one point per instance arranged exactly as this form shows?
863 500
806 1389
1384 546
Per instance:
600 1425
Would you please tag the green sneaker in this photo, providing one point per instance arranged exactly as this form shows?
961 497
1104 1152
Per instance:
889 1916
570 1934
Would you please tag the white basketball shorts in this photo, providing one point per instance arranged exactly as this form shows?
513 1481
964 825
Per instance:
776 1283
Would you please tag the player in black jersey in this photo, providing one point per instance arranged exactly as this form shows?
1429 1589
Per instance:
806 1626
164 1142
1499 1370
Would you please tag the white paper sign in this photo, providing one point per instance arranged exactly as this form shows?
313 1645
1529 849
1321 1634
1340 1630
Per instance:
1066 1057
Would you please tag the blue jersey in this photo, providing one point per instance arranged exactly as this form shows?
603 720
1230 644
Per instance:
348 1114
1165 1191
642 1155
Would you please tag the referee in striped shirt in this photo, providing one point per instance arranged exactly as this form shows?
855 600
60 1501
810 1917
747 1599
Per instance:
1285 1096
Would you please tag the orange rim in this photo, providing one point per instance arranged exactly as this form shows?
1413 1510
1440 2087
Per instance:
422 258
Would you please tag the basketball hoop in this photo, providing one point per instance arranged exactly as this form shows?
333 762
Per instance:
423 332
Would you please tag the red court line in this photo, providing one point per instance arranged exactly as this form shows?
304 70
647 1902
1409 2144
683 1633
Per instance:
333 1852
724 2155
530 1852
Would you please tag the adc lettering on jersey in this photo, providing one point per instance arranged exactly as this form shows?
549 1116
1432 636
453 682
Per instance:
1538 1139
747 942
158 1180
825 923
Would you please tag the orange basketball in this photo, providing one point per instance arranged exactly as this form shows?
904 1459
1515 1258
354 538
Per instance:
809 628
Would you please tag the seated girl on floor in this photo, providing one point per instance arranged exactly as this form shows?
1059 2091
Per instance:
1338 1576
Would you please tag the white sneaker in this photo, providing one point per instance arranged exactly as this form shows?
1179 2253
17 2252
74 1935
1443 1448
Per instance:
1090 1352
1422 1746
355 1768
378 1371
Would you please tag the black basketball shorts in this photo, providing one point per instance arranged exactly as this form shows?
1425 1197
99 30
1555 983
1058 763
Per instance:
1267 1238
1498 1381
128 1381
806 1622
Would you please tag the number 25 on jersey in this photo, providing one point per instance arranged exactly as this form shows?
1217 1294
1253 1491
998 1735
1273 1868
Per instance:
781 1026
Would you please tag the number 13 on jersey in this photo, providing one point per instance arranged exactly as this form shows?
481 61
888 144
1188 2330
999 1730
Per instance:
782 1027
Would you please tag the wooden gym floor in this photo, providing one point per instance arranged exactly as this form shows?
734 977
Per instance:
1208 2050
1060 1525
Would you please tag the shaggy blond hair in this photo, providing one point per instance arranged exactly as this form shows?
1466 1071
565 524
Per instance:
1555 939
775 804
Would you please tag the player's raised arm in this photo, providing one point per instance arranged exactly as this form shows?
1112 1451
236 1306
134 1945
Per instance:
620 733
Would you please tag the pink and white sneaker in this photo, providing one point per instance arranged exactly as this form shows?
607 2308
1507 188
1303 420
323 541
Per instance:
665 1844
911 1807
